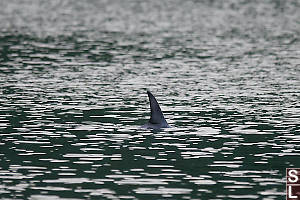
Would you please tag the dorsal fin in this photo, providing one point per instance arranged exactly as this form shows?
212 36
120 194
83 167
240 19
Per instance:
157 117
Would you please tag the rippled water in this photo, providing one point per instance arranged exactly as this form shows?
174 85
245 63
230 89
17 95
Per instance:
73 80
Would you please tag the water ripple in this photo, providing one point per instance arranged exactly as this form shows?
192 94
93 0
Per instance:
72 99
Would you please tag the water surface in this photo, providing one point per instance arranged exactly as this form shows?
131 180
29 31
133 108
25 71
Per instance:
73 80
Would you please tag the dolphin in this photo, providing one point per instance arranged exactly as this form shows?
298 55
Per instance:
157 119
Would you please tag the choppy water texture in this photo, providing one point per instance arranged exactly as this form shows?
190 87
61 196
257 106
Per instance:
73 80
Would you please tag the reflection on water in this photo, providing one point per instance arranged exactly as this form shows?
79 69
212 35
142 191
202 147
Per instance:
73 79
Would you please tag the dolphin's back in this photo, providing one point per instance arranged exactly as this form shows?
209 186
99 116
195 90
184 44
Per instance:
157 119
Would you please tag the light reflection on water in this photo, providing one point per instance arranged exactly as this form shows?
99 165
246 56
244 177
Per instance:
73 97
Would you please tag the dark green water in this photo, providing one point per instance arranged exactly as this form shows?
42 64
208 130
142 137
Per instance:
73 80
